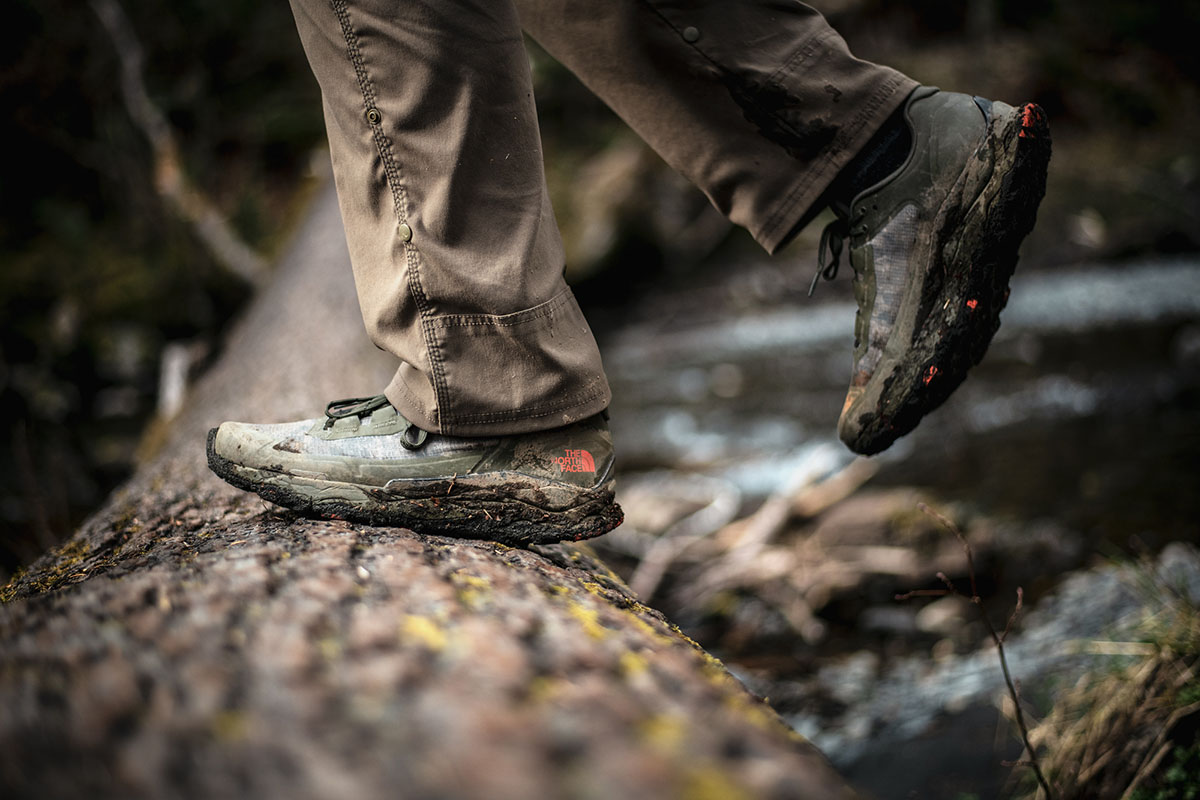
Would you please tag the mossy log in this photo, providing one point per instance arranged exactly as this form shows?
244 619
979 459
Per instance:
191 641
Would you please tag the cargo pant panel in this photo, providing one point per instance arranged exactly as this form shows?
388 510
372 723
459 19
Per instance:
759 103
438 163
534 364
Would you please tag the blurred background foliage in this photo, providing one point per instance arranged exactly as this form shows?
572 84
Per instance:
99 274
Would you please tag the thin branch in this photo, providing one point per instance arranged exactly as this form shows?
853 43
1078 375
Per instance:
1012 619
977 601
209 225
924 593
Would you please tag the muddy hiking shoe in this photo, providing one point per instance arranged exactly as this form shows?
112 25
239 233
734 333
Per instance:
933 246
364 462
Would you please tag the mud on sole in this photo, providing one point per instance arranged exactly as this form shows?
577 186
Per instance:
457 509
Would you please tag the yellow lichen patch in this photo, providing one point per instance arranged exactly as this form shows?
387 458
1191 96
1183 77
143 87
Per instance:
598 566
589 619
593 588
330 648
633 610
542 689
663 732
751 710
710 783
472 590
632 664
424 631
645 627
712 665
229 725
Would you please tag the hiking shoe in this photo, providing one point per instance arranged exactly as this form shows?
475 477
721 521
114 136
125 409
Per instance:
366 463
933 246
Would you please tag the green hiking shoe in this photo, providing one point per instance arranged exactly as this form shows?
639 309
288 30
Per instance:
933 246
366 463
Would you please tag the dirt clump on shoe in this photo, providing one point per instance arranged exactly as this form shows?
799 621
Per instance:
365 463
933 247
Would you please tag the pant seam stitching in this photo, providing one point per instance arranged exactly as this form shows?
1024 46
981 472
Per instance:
532 413
802 188
532 314
383 146
802 54
869 108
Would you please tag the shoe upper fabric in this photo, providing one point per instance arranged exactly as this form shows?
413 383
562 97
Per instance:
376 447
888 222
933 247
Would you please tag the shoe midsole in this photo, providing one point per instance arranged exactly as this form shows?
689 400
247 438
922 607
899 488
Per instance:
548 495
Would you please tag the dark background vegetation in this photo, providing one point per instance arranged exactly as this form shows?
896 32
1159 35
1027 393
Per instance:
98 273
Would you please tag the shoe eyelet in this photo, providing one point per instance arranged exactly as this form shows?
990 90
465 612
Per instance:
413 437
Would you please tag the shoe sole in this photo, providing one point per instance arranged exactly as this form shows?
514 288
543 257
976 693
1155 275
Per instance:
471 507
964 291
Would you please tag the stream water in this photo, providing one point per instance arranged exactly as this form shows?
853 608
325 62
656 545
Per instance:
1082 420
1091 366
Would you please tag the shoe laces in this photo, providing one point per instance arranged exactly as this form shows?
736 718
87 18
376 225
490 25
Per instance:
412 437
833 242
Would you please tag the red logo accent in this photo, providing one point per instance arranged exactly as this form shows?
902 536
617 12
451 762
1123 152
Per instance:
972 304
1031 118
576 461
930 374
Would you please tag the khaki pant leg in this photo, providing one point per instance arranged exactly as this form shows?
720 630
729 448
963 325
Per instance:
758 102
457 258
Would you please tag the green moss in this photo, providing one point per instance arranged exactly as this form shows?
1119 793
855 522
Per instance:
64 565
9 591
1180 780
1188 695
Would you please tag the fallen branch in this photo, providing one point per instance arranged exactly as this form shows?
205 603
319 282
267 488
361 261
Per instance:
170 180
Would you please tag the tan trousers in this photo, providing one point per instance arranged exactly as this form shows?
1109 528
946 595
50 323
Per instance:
438 164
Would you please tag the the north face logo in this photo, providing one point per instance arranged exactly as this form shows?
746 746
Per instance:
576 461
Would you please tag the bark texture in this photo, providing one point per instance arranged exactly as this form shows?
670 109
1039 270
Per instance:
190 641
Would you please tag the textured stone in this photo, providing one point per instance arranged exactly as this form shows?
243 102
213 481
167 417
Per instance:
192 642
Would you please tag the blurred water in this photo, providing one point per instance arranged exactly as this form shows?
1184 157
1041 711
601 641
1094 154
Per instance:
1080 424
752 396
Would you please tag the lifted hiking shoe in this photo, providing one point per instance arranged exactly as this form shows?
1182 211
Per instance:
933 246
365 463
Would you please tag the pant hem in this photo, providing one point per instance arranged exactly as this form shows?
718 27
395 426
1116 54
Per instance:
798 205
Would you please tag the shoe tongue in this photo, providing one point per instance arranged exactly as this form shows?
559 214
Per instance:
841 208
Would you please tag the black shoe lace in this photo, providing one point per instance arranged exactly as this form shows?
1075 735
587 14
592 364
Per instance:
833 241
412 438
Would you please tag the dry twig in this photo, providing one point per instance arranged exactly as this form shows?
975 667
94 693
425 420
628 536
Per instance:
997 637
172 183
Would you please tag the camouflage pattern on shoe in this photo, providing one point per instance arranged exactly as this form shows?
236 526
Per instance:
933 247
364 462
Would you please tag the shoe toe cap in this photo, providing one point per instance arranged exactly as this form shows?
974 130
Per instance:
253 445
